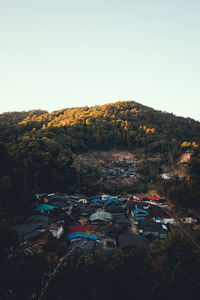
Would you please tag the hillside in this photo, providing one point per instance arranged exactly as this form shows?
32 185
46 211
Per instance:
120 149
41 151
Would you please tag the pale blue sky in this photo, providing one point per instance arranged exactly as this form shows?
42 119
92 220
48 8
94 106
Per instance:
58 53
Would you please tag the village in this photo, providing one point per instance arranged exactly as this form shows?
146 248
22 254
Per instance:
101 223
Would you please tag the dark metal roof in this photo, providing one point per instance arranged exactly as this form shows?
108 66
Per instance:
129 240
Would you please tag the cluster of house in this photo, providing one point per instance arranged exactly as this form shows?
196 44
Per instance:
96 224
152 216
125 168
35 231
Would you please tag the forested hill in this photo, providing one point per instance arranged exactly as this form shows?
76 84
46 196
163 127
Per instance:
122 124
38 150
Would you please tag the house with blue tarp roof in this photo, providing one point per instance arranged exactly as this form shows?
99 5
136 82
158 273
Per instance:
96 200
44 207
112 201
139 214
81 235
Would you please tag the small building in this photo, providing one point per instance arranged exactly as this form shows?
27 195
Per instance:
100 217
158 215
139 196
110 243
148 227
115 209
114 230
139 214
168 176
189 220
105 197
79 231
29 232
121 219
96 202
149 230
84 201
167 219
56 229
156 200
129 240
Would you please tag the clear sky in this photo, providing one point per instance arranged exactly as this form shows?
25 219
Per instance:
64 53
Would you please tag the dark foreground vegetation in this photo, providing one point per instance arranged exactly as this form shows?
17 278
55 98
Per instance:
170 268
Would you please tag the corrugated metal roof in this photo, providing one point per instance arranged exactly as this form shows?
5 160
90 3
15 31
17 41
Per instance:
128 240
29 230
37 218
101 215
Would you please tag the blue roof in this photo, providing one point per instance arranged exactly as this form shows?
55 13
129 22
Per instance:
44 207
82 235
138 210
111 200
97 200
138 218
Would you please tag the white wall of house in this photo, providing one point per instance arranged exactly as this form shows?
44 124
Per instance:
57 232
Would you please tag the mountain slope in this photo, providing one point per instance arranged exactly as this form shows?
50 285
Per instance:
41 149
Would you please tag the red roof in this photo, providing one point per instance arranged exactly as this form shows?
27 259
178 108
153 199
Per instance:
155 198
159 213
80 228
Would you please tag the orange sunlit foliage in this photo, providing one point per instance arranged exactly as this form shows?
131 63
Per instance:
189 144
195 145
148 130
185 144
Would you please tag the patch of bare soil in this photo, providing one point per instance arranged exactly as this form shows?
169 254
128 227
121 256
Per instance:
181 171
185 157
107 156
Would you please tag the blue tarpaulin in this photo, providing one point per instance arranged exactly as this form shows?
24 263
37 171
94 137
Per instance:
139 210
138 218
112 201
96 200
44 207
82 235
